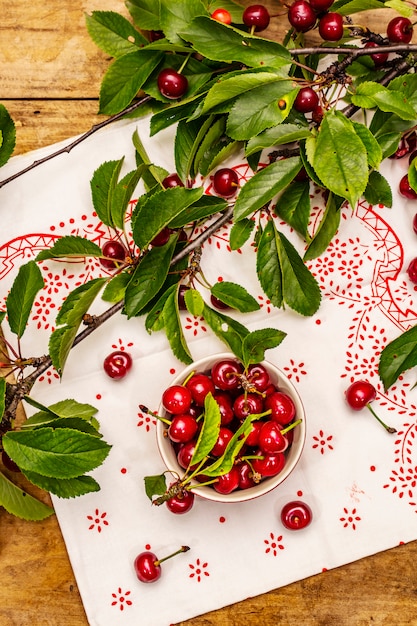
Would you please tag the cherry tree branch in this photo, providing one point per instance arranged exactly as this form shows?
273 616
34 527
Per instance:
78 140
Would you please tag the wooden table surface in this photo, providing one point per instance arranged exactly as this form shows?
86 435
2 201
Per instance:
49 81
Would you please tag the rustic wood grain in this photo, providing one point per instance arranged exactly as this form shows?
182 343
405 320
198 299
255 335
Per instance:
49 81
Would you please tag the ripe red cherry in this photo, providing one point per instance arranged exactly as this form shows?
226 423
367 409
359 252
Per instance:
227 482
225 435
321 5
271 440
359 394
117 364
181 503
185 454
181 300
258 376
225 182
415 223
400 30
148 566
9 463
306 101
252 439
296 515
225 405
406 145
177 399
172 84
301 16
247 404
331 27
245 476
268 464
172 180
162 237
226 375
379 58
115 252
406 189
182 428
412 271
222 15
218 304
200 385
256 16
282 407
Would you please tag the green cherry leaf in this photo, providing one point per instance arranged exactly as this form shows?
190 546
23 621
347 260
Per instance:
64 487
235 296
226 329
26 285
378 190
77 303
225 463
113 33
326 229
115 289
194 302
173 329
397 357
276 136
340 158
293 206
256 342
209 432
268 266
60 453
70 246
19 503
240 233
7 134
148 277
176 16
264 185
155 485
102 186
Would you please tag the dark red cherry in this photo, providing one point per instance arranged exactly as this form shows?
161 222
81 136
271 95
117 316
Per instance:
400 30
181 300
225 182
379 58
219 304
177 399
225 403
226 374
225 435
271 440
162 237
256 16
258 376
181 503
252 439
296 515
331 26
185 454
306 101
247 404
406 189
200 385
9 463
282 407
268 464
321 5
245 476
115 254
172 180
227 483
301 16
359 394
117 364
147 567
172 84
412 271
182 428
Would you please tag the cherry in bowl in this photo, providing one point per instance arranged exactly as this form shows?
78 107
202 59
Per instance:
233 487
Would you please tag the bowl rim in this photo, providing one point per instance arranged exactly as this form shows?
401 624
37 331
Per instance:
167 453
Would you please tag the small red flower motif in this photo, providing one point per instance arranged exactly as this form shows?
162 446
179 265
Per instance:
57 282
350 518
195 324
198 570
43 306
49 376
322 442
97 520
295 371
121 599
147 421
265 302
120 345
273 544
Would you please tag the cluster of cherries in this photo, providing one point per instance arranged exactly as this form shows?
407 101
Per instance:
238 395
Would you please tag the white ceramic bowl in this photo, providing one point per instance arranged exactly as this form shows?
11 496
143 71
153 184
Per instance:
293 453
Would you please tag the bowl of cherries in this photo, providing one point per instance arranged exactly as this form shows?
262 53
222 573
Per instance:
227 433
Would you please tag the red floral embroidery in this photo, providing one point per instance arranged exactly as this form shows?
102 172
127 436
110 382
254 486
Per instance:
97 520
198 570
295 371
147 421
121 599
350 518
322 442
43 308
265 302
119 345
50 376
194 324
273 544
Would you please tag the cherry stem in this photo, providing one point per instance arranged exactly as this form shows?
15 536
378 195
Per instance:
165 558
286 430
184 63
389 429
